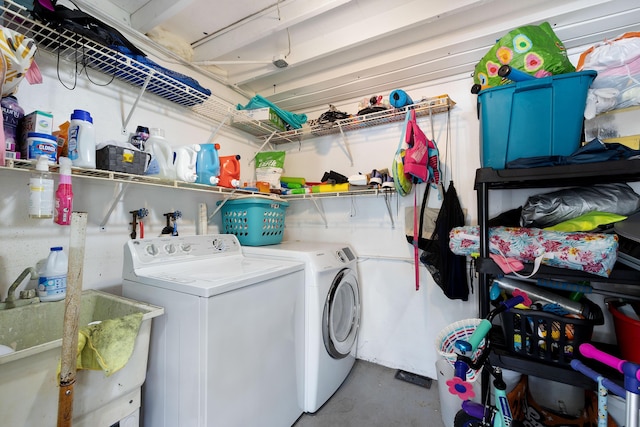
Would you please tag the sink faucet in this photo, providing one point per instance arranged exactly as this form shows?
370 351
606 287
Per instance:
11 294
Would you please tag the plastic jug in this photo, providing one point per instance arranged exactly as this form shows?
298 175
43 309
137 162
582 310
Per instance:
186 158
82 140
230 171
52 283
208 164
162 153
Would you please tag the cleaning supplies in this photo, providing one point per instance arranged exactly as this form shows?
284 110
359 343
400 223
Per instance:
230 171
64 194
208 164
186 158
52 283
82 140
12 114
161 153
41 190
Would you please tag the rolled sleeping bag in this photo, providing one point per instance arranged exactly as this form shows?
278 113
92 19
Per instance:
399 98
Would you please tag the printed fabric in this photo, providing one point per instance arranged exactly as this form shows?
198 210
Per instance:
594 253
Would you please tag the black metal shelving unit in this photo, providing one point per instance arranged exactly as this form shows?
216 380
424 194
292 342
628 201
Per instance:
623 281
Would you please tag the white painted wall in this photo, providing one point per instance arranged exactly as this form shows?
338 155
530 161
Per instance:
399 324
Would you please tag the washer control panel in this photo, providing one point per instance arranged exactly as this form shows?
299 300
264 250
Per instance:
167 249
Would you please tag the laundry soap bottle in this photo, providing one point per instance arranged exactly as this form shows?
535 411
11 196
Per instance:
208 164
64 194
41 190
186 158
161 153
52 283
82 140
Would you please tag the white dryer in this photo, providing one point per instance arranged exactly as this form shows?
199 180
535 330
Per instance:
332 313
229 350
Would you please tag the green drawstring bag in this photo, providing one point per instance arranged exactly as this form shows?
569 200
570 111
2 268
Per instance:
533 49
587 222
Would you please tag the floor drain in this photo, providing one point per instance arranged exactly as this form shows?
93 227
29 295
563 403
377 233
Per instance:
414 378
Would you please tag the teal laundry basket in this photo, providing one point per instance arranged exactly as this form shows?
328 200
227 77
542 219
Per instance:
255 221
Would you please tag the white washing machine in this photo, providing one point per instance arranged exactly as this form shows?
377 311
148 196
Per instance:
229 349
332 313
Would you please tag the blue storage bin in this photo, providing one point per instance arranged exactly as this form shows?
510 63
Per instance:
255 221
537 117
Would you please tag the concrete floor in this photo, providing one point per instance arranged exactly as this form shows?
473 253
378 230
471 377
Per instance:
371 396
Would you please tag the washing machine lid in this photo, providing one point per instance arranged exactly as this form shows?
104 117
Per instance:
208 278
199 265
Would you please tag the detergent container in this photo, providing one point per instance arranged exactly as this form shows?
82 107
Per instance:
208 164
161 154
52 283
229 171
12 114
41 190
82 140
186 158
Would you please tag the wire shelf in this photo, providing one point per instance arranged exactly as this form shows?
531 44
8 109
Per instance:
435 105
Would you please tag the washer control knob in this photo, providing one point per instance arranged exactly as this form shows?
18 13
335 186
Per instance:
185 247
170 248
218 244
152 249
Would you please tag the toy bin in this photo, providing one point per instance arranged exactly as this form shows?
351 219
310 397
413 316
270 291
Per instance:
627 327
547 336
532 118
256 221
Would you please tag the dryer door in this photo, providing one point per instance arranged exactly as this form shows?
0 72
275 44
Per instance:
341 317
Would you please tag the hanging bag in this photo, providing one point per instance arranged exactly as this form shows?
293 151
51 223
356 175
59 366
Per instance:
401 181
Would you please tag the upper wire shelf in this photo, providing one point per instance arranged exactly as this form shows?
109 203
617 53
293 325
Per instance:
435 105
74 48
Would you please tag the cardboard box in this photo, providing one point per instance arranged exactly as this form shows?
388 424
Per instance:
538 117
265 115
37 121
613 124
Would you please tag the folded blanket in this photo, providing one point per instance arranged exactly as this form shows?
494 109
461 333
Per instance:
295 120
594 253
108 345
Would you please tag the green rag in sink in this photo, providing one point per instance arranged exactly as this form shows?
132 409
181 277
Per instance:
108 345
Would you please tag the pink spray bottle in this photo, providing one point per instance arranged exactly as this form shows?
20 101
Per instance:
64 194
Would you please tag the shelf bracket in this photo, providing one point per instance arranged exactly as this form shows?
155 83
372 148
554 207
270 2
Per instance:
346 143
262 146
135 104
221 204
116 199
320 211
216 130
387 196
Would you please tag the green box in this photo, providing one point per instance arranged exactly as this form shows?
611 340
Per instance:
264 115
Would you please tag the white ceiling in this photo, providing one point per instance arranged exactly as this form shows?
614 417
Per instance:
345 49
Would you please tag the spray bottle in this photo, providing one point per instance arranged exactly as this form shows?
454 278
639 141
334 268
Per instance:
64 194
41 190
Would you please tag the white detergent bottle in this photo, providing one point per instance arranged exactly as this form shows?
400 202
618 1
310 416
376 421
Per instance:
186 158
52 283
82 140
162 153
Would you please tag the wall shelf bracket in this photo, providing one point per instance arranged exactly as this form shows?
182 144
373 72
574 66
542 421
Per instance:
114 202
135 104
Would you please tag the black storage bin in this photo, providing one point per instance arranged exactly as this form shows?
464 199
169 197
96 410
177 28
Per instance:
119 159
549 337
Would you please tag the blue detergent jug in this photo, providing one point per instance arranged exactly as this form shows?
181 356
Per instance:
208 164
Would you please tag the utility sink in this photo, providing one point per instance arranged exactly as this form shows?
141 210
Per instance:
29 380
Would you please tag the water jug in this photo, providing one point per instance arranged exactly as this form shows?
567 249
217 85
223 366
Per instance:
186 158
229 171
52 283
161 153
208 164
